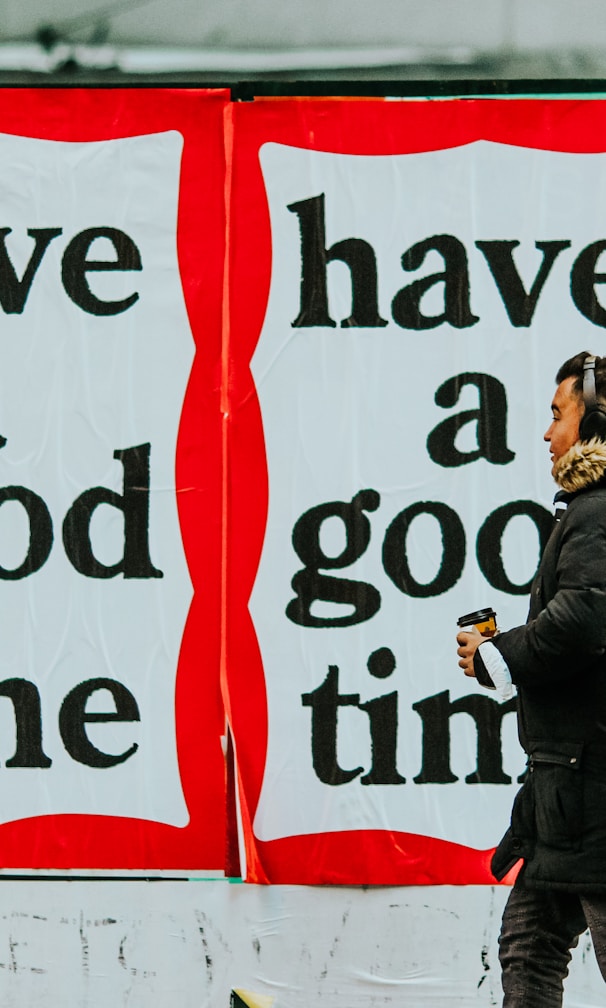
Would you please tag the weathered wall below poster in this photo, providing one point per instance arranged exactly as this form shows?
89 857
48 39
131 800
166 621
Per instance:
149 945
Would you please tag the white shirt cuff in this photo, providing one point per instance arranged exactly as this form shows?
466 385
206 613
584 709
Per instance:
497 669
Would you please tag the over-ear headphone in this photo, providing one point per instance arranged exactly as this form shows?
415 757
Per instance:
593 421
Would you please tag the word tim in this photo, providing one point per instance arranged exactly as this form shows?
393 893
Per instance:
382 711
133 502
75 265
359 256
310 585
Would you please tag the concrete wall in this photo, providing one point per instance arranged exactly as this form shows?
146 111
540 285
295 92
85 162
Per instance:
103 942
187 944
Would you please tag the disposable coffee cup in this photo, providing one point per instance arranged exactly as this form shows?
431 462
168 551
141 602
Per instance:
484 620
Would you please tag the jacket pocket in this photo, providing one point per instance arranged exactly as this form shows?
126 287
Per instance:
558 793
519 840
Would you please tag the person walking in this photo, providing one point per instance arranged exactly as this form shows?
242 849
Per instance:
557 663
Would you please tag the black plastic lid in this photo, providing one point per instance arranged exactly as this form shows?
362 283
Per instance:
479 616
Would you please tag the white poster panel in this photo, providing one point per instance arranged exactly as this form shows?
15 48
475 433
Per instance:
405 454
96 352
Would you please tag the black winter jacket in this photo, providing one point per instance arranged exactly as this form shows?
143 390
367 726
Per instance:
558 663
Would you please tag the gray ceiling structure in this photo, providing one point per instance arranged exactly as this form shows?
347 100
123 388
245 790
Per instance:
222 41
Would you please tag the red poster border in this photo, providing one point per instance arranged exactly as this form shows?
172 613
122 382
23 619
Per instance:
81 843
364 127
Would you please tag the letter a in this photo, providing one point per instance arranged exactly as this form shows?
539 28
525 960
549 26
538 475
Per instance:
490 417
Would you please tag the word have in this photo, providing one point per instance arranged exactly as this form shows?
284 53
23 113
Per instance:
359 256
75 265
133 502
310 585
435 713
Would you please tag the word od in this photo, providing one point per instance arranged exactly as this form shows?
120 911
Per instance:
310 585
435 713
133 502
359 256
75 265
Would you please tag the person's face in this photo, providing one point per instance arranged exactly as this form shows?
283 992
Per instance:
567 410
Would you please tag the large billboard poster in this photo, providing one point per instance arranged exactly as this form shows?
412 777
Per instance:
405 278
111 239
274 381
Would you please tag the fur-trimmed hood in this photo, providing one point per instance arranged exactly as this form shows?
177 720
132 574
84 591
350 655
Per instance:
581 465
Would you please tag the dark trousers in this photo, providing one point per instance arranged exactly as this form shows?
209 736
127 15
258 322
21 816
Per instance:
539 930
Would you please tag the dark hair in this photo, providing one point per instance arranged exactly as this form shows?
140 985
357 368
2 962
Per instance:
573 368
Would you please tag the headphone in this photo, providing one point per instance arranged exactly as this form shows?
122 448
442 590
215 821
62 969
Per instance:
593 421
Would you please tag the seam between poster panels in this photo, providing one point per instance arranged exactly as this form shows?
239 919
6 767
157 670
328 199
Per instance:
228 135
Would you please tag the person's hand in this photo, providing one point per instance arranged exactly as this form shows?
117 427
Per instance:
468 641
